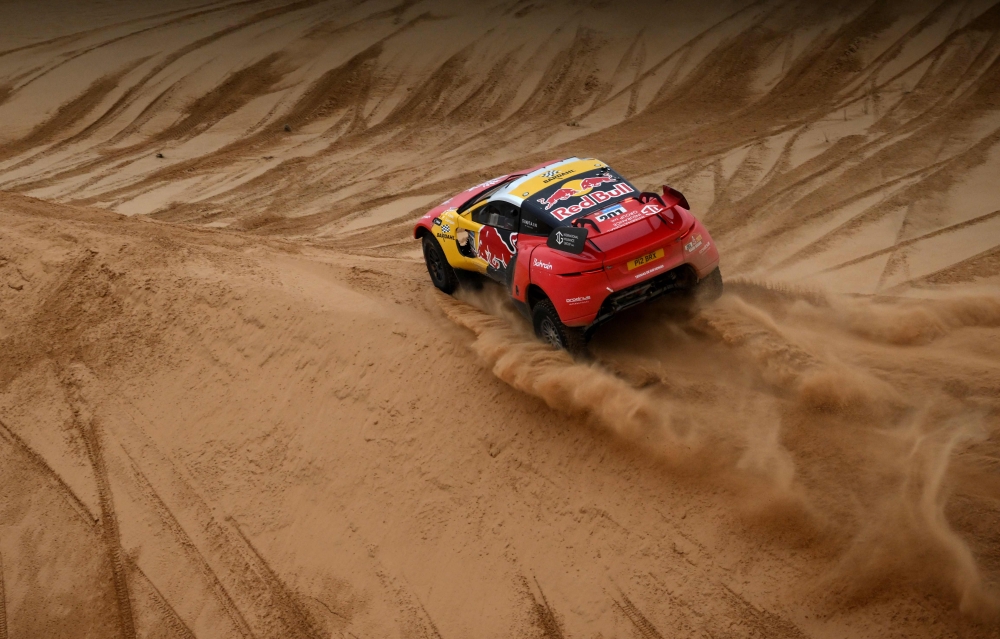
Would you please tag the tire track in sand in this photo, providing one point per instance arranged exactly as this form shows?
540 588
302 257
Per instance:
191 550
3 603
297 616
69 114
68 57
162 605
544 617
8 435
639 620
131 95
250 580
90 430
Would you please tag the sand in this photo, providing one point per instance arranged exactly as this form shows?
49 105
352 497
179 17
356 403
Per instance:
232 404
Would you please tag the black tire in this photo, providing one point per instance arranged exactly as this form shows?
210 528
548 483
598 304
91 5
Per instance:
442 274
709 288
550 329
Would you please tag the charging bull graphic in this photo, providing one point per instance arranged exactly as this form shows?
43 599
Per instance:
591 199
575 188
579 188
557 196
497 250
594 182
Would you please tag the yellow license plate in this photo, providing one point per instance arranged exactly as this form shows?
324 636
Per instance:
645 259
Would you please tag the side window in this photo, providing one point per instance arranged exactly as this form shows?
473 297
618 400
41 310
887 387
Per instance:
508 216
531 225
483 213
502 215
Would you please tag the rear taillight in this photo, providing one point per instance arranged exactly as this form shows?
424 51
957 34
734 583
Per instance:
590 272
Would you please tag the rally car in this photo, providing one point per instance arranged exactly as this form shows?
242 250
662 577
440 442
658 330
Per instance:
573 242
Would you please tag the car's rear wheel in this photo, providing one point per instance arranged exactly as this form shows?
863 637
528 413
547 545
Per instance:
550 329
709 288
442 274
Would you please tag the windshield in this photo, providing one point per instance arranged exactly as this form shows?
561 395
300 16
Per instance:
560 203
485 194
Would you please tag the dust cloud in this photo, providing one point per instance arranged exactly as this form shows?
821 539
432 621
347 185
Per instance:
806 415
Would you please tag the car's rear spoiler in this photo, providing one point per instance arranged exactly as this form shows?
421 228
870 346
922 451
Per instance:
672 197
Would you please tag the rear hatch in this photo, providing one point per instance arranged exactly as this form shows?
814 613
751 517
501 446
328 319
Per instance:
637 240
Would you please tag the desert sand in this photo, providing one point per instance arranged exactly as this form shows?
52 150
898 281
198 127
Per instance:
232 404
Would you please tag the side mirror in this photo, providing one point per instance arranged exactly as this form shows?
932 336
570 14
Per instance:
672 197
569 239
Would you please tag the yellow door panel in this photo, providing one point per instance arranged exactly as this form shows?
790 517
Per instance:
455 228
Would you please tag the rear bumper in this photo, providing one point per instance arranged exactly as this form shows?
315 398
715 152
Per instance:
691 258
684 277
589 298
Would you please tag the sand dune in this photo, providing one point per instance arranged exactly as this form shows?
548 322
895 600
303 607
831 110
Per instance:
232 405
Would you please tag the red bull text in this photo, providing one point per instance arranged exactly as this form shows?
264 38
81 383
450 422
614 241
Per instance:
591 200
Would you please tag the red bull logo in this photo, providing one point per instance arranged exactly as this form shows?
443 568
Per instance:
594 182
575 188
558 196
592 199
495 248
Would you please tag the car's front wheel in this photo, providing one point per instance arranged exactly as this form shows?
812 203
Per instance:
442 274
550 329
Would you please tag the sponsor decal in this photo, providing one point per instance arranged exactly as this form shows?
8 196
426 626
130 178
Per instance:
588 199
647 272
596 181
540 264
619 216
437 221
446 228
705 248
557 196
610 213
489 183
568 239
445 236
555 174
494 248
574 188
693 244
578 300
645 259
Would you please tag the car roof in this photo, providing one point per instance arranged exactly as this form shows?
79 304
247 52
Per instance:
530 184
565 174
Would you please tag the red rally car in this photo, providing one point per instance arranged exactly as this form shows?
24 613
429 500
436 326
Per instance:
573 242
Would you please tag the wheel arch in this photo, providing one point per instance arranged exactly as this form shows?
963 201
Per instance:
535 294
420 231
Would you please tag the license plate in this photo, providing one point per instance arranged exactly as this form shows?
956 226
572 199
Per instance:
645 259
